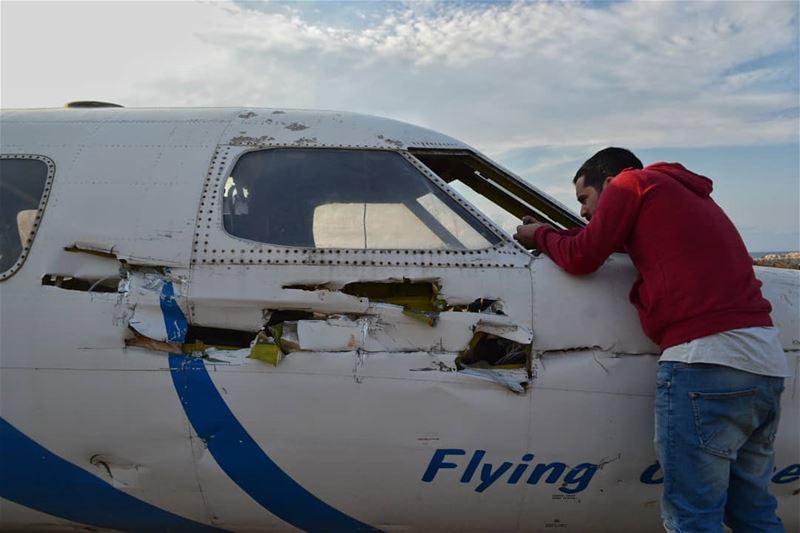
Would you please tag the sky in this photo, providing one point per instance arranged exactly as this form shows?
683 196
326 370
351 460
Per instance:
536 86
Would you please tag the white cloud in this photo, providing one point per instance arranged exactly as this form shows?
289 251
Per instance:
500 76
568 77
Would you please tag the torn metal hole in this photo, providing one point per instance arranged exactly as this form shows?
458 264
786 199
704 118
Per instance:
499 360
420 299
216 345
140 341
481 305
70 283
418 296
219 337
283 315
413 295
489 351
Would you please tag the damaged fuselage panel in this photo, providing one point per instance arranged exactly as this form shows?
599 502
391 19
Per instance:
400 315
264 319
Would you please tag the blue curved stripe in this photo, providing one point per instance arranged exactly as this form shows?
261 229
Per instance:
244 461
174 319
32 476
234 449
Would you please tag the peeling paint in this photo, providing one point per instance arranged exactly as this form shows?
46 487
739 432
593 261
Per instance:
296 126
249 114
244 140
305 140
394 142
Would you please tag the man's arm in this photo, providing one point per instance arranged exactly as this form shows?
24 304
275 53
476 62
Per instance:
584 250
526 232
529 224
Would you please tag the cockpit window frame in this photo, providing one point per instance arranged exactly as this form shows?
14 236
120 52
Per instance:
48 185
441 185
504 189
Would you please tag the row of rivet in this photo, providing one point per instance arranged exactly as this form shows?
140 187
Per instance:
214 184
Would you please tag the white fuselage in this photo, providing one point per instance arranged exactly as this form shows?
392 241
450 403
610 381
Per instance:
365 421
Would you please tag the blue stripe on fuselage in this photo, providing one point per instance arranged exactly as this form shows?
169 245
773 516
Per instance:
244 461
174 319
32 476
234 449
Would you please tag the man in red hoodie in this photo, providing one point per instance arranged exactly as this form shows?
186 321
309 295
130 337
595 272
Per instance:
722 366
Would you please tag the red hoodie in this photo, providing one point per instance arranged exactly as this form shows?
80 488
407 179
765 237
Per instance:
695 275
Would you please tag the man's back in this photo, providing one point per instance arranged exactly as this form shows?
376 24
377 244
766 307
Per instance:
696 277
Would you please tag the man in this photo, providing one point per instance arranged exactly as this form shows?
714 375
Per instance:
722 366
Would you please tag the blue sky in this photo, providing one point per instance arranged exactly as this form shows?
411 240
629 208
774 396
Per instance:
538 86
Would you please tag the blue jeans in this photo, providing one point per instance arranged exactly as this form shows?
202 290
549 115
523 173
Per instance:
715 429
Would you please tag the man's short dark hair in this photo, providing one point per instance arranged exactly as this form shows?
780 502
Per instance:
607 162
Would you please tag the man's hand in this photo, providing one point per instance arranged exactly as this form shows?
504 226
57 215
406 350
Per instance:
525 233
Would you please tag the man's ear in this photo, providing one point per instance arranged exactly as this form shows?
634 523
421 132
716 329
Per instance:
608 180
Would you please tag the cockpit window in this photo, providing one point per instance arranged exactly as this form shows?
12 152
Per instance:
358 199
24 182
500 196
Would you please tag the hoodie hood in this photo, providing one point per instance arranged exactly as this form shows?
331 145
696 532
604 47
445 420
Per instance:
700 185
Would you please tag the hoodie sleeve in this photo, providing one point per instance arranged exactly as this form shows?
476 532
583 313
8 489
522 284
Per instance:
583 252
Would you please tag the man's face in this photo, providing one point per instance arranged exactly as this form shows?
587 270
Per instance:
588 197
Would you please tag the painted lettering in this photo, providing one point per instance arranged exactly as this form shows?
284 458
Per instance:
649 475
488 477
437 462
472 466
653 475
520 469
556 469
573 480
788 474
580 476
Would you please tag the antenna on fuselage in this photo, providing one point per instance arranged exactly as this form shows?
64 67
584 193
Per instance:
90 104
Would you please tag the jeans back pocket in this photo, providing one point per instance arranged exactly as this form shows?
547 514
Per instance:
724 420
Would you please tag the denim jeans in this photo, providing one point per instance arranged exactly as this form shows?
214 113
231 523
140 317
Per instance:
715 429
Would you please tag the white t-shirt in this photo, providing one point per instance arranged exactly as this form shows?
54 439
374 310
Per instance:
756 350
